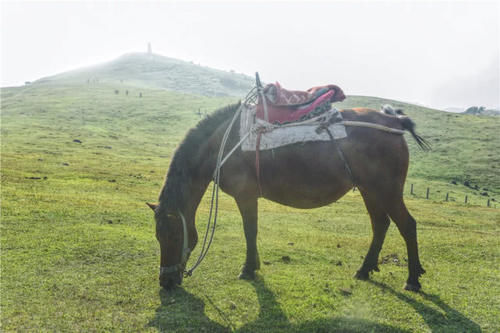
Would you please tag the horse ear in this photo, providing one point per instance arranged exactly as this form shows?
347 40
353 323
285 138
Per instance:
152 206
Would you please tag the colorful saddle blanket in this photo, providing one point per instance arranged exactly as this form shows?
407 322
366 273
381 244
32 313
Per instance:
285 106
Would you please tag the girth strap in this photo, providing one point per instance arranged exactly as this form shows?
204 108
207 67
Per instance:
341 154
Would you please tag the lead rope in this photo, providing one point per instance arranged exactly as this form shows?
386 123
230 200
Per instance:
211 224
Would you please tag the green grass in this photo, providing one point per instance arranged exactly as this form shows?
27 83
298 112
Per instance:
79 252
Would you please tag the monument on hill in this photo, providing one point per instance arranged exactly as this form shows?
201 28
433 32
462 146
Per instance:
150 51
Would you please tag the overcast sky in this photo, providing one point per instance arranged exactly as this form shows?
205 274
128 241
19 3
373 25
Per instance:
436 53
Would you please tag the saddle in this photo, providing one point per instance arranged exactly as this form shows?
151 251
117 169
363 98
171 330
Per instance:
285 106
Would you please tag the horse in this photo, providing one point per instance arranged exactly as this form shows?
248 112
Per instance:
306 175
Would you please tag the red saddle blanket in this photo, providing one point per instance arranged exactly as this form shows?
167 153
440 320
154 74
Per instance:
285 106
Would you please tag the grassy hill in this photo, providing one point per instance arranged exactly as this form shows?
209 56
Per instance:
463 146
157 72
79 254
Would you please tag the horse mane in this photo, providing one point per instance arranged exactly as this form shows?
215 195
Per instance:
181 169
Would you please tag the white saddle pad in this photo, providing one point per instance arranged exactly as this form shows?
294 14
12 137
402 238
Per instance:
280 135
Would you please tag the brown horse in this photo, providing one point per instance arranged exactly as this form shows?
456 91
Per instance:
306 175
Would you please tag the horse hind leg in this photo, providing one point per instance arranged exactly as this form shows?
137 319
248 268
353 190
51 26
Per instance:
380 223
249 214
408 229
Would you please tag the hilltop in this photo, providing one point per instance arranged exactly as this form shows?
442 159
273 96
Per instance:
157 72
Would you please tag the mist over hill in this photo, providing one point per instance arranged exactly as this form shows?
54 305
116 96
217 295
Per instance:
154 71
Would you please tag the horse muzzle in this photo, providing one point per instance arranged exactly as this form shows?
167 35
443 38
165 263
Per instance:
170 277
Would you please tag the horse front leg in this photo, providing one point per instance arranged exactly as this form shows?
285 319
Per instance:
248 210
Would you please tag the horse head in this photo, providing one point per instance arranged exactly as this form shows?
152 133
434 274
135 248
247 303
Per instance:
173 236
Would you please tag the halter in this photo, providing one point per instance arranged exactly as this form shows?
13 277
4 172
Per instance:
185 251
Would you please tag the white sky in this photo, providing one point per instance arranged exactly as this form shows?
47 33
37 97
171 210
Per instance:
436 53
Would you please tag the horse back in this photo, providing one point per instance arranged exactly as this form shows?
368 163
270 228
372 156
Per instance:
372 116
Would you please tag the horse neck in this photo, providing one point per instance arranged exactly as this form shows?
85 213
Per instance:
205 166
194 169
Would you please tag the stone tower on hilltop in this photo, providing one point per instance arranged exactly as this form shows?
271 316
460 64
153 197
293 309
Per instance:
150 50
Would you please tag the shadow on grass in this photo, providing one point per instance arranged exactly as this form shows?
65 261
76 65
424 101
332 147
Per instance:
450 321
181 311
184 312
272 319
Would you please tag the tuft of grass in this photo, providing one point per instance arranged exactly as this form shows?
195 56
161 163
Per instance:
79 254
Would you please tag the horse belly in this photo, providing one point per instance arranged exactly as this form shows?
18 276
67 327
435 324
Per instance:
304 183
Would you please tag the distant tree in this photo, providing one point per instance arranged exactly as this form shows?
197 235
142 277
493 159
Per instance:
475 110
140 94
117 91
470 109
27 83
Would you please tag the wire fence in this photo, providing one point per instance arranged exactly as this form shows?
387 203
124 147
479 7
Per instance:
439 195
449 196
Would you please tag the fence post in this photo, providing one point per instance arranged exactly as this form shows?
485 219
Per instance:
446 196
411 189
465 198
488 204
427 194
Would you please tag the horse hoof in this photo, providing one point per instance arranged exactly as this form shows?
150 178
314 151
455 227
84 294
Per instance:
245 275
360 275
412 287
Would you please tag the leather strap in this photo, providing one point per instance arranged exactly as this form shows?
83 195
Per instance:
257 161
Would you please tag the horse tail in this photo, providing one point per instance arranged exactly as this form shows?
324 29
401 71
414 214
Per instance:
409 125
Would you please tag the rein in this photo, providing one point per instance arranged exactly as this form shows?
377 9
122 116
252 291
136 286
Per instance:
214 204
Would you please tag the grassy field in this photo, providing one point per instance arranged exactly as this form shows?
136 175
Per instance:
79 254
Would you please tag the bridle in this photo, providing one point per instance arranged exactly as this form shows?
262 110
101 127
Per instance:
185 251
